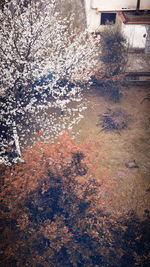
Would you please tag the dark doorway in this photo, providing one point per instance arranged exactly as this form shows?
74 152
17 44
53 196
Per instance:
111 17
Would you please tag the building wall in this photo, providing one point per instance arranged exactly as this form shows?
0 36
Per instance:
135 35
92 17
118 5
147 43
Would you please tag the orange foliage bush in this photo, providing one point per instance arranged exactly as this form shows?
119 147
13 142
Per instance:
54 209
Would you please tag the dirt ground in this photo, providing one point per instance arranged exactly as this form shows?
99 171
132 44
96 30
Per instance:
133 143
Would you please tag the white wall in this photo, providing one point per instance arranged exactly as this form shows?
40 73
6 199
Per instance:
134 35
147 43
118 5
92 17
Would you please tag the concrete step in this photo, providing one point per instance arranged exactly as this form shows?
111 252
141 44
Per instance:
139 78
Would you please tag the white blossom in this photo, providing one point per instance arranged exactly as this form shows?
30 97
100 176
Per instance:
37 42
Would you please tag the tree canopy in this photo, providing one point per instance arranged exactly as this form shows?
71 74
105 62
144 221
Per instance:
44 61
113 58
55 211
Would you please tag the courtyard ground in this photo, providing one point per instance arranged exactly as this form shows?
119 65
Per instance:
133 143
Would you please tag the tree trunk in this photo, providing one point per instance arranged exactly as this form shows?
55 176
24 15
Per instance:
16 138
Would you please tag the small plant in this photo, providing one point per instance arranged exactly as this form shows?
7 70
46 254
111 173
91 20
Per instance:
115 120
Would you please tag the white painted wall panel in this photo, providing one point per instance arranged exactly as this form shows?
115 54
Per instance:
135 35
112 5
92 17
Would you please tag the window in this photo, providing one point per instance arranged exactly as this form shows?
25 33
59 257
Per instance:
111 17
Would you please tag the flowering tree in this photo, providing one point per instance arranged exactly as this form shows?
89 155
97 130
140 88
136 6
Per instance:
42 58
76 7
